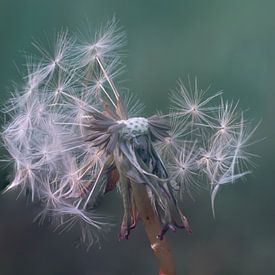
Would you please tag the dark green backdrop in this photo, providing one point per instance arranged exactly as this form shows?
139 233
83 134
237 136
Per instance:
228 44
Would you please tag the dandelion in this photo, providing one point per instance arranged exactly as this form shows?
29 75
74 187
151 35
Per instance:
72 136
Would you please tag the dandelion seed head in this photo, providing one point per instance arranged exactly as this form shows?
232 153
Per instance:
73 136
134 126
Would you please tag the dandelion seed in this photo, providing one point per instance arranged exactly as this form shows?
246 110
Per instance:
192 103
184 170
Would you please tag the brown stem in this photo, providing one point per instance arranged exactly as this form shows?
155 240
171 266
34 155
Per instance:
152 227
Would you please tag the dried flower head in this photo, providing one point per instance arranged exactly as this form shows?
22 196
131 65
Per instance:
72 136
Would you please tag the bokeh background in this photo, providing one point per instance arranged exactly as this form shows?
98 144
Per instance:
228 44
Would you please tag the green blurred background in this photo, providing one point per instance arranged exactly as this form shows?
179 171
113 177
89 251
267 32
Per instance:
228 44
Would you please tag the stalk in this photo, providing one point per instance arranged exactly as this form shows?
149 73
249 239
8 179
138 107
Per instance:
152 226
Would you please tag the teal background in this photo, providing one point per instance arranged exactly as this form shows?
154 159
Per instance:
228 44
